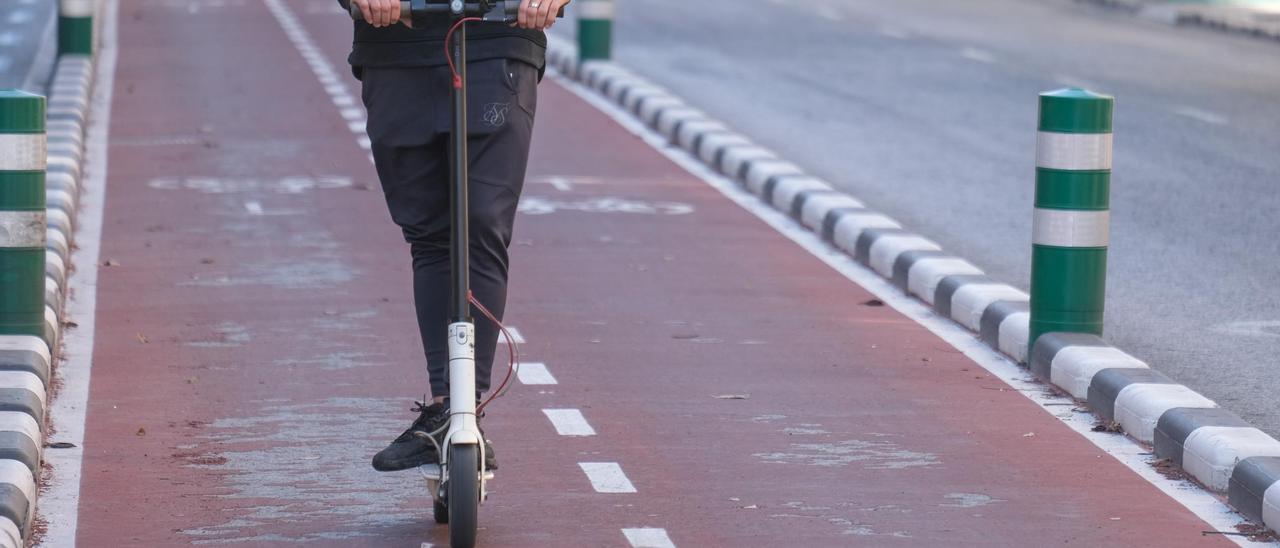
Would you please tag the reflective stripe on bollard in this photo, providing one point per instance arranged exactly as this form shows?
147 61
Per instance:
1072 223
22 213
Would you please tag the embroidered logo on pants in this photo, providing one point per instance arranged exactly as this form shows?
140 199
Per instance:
495 114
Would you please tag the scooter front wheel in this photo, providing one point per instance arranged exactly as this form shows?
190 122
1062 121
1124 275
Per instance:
464 495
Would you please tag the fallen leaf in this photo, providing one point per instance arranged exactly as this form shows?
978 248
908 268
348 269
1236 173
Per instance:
1029 435
111 262
733 397
874 302
69 323
142 431
143 338
60 445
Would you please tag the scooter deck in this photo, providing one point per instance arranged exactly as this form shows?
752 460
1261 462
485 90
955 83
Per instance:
432 472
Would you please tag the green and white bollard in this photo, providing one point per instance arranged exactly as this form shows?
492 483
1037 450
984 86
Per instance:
22 213
75 27
595 30
1072 224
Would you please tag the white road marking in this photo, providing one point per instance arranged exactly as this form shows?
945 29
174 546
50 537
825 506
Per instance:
1128 452
569 422
284 185
1269 328
352 113
18 17
1201 115
534 373
1073 82
895 33
979 55
560 183
829 13
566 184
254 208
60 501
607 477
648 538
515 336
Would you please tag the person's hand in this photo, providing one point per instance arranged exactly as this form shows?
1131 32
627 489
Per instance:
539 14
380 13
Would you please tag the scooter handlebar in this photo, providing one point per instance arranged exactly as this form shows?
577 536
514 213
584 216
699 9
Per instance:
499 11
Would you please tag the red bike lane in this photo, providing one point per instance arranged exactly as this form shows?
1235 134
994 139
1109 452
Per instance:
716 384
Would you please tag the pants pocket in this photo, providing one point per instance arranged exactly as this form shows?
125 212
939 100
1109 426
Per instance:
491 97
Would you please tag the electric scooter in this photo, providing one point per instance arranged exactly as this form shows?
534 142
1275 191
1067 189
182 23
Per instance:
458 483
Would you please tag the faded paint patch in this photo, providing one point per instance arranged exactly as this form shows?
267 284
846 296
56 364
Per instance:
768 418
844 525
314 274
226 335
969 500
805 430
299 472
334 361
874 455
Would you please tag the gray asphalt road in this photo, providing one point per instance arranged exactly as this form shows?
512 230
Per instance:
926 110
23 26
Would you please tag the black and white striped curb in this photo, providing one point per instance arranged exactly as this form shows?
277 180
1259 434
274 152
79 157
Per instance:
1213 446
26 361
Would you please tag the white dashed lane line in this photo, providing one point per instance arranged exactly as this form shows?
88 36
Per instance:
975 54
648 538
607 477
569 422
19 17
1201 115
534 373
254 208
354 116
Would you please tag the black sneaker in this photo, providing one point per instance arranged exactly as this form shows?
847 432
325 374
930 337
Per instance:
490 460
412 448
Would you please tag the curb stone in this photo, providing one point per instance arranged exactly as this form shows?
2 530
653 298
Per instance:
1214 446
26 362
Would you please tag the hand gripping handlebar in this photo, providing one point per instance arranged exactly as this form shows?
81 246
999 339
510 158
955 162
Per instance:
496 11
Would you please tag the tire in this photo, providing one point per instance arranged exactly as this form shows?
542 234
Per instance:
464 495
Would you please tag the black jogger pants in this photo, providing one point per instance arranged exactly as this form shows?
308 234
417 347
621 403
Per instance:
410 122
